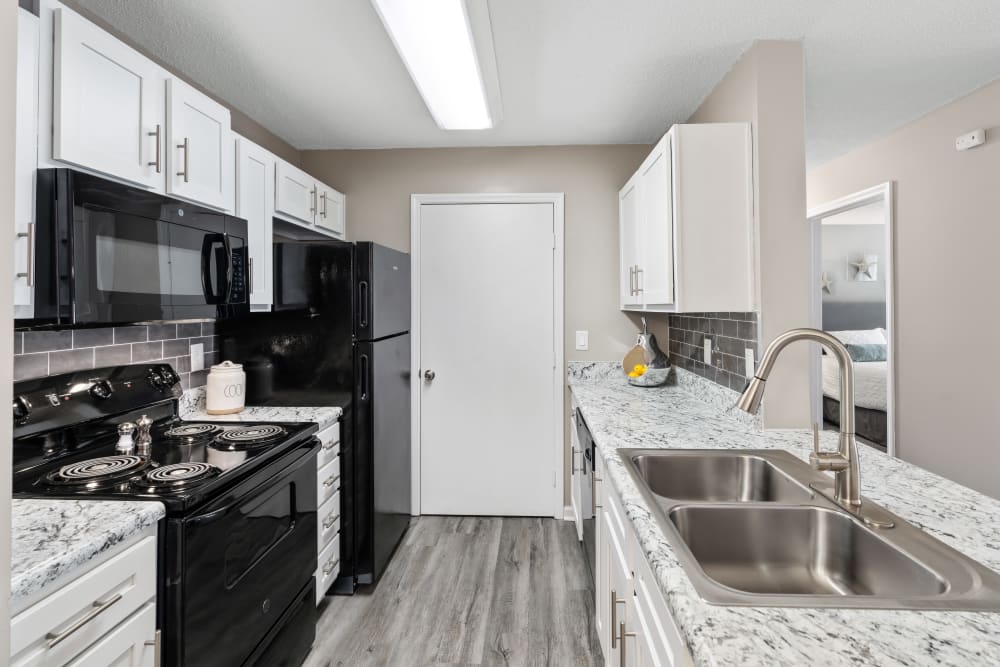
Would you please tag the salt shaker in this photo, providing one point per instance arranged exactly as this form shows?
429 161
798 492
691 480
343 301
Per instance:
126 445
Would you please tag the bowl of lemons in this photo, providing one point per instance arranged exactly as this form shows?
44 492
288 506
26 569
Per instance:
642 375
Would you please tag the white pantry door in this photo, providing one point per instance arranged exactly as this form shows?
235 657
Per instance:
487 319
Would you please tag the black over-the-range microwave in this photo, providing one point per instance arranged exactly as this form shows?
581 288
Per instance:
107 253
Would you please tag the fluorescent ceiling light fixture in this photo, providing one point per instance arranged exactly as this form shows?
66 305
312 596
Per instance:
435 40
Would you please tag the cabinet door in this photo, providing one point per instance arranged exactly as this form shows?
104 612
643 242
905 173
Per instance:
108 112
295 193
576 477
26 156
331 212
255 204
134 643
656 256
629 240
620 602
200 159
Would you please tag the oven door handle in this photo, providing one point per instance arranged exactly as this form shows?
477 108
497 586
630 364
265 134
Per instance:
220 512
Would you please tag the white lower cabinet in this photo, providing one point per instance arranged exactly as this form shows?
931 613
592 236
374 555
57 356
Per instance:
633 621
106 616
328 516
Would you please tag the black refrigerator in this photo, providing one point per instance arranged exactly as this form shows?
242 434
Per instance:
339 334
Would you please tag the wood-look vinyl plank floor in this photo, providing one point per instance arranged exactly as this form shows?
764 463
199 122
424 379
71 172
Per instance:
469 591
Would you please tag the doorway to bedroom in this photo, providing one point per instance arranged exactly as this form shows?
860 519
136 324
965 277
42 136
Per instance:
852 246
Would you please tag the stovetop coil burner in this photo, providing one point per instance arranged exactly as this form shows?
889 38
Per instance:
178 475
249 437
191 434
97 473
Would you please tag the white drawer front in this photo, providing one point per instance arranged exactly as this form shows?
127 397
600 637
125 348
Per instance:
327 568
328 481
329 521
330 445
131 644
62 625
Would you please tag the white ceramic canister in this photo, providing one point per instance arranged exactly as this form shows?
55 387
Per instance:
226 389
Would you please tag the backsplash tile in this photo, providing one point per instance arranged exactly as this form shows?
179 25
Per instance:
41 353
731 334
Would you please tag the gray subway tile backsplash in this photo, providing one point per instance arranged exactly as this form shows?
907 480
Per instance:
41 353
731 334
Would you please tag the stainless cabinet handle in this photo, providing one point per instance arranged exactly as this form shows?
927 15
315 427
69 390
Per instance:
330 564
330 481
429 375
329 521
638 285
29 275
186 146
156 163
99 608
327 446
622 635
631 281
323 198
158 651
614 616
312 201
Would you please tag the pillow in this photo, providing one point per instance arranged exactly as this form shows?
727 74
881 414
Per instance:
861 337
867 352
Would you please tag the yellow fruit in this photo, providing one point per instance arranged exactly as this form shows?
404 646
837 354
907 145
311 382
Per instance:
633 374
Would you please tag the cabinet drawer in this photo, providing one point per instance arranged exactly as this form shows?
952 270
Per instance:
327 568
328 522
330 447
65 623
327 481
131 644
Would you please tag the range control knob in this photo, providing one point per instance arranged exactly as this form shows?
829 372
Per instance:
155 379
170 378
22 408
101 390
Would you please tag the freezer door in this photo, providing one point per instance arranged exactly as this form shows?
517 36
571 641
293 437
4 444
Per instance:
383 292
382 450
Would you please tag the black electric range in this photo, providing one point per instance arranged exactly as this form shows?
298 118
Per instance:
237 547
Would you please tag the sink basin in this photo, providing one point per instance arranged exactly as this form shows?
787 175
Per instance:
760 528
799 551
717 477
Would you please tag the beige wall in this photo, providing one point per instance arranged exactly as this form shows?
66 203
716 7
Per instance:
947 247
378 185
241 123
765 88
8 72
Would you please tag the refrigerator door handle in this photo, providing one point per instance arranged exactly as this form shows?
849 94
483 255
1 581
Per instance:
364 377
363 303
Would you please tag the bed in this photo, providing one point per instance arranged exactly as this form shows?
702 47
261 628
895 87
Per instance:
857 323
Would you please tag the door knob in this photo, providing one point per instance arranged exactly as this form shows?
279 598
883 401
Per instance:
428 375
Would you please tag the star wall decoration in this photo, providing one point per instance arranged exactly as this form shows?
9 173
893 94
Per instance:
866 267
826 283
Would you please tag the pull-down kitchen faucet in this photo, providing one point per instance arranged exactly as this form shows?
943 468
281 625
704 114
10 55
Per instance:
844 462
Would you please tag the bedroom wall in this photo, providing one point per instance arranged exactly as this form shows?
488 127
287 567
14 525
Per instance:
947 240
844 244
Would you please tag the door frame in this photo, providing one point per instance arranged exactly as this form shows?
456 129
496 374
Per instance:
878 193
558 297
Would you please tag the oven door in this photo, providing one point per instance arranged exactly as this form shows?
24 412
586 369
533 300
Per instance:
237 566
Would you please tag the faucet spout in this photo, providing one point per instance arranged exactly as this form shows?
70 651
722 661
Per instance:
844 462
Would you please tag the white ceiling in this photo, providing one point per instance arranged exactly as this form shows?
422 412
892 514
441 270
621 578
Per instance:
323 73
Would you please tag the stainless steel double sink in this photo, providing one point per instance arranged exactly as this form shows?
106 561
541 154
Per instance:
753 527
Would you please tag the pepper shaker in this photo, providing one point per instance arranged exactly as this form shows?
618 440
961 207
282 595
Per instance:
144 440
126 445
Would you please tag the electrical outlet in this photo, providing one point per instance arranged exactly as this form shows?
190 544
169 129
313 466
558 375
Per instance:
750 362
583 340
198 357
708 351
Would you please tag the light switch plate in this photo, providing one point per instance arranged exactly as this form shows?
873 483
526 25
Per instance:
583 340
708 351
198 357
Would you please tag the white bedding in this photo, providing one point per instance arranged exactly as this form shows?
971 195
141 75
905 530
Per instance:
869 382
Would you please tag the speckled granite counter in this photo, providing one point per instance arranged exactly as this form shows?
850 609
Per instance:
51 539
678 417
192 407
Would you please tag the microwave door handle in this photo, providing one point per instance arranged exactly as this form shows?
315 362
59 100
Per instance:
224 292
207 243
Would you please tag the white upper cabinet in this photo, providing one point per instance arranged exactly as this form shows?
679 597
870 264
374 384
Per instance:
331 212
108 106
200 159
255 204
26 157
686 223
301 198
295 194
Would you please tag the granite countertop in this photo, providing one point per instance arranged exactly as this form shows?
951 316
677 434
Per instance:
192 408
53 538
698 415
